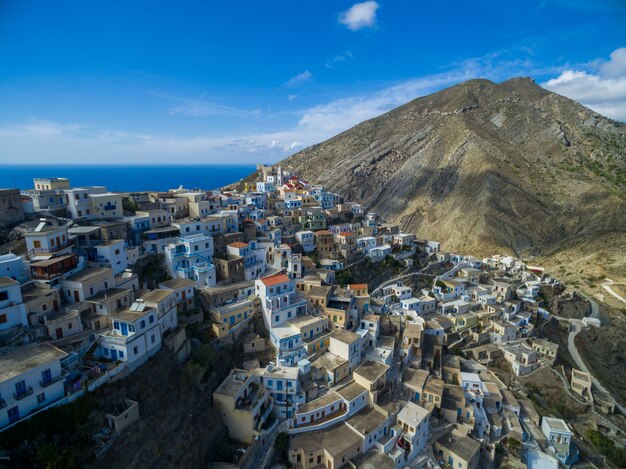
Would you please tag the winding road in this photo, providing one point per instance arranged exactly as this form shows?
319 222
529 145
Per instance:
575 328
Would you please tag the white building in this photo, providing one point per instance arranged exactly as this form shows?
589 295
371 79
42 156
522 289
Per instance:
13 266
87 283
12 310
78 202
190 258
306 240
113 253
30 379
134 338
279 299
414 422
106 205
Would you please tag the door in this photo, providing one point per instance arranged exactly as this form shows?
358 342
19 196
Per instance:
76 296
20 388
59 332
14 414
184 296
46 376
114 355
55 305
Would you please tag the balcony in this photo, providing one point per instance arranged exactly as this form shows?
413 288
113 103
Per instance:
50 382
27 392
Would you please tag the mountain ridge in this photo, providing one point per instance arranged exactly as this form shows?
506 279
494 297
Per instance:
483 167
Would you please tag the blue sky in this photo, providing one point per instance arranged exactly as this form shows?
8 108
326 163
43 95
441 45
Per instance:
254 81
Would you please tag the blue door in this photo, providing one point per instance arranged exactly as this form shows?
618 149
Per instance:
113 354
46 376
232 320
14 414
20 388
124 328
311 335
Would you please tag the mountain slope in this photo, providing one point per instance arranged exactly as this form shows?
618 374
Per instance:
484 168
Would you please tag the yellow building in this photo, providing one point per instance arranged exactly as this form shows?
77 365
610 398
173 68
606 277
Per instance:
244 405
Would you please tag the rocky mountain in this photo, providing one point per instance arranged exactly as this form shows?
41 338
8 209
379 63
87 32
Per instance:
485 168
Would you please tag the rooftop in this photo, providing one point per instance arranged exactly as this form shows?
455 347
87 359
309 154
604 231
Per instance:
351 391
415 379
177 283
320 402
558 425
328 361
345 336
88 274
275 279
371 370
26 358
7 282
233 383
157 295
463 446
110 294
374 459
336 440
366 420
412 413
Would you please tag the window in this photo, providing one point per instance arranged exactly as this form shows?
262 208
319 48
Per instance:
153 338
41 398
151 319
121 354
135 350
143 323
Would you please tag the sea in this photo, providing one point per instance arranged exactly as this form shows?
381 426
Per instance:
128 178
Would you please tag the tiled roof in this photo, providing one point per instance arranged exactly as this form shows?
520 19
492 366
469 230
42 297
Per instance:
275 279
239 245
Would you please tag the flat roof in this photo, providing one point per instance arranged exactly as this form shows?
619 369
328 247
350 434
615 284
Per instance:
351 391
88 274
26 358
464 447
413 413
336 440
329 361
344 336
83 229
374 459
371 370
557 424
415 378
232 383
177 283
366 420
111 293
320 402
7 281
156 295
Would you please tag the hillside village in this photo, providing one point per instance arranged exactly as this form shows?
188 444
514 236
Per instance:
341 374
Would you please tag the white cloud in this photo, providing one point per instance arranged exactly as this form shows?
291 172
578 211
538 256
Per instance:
360 15
299 79
338 59
291 97
603 91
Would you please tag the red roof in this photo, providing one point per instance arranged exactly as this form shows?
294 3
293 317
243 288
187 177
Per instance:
358 286
346 233
323 232
275 279
238 245
293 177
